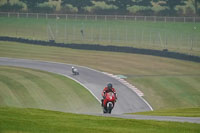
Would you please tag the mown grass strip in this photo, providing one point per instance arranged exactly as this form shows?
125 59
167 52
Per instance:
38 89
162 80
36 121
170 91
181 37
18 90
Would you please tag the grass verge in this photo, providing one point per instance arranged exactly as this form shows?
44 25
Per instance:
166 83
179 37
14 120
28 88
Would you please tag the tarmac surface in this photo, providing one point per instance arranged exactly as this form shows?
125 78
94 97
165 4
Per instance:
128 101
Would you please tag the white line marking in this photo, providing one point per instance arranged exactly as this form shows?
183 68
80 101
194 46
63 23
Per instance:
133 88
81 85
80 82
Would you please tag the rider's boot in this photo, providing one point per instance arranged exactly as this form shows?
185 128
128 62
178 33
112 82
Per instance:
102 102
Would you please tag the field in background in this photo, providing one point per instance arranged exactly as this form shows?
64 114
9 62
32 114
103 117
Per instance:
28 88
166 83
13 120
176 36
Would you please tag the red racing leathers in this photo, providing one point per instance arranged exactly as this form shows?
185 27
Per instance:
106 90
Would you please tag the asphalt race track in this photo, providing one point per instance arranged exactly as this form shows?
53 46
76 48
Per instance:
128 101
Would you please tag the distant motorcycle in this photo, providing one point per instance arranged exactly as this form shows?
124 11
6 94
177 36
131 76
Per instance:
75 71
109 102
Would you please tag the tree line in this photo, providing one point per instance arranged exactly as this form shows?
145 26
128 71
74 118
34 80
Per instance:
125 7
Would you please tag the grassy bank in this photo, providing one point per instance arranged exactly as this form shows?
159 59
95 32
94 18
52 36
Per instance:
24 88
170 91
181 37
166 83
186 112
41 121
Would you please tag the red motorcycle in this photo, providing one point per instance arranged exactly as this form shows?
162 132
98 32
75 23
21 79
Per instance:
109 102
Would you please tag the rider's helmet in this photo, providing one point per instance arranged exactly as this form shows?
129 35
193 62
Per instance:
72 67
109 85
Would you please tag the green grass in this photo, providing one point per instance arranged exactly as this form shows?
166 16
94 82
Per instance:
179 37
27 88
166 83
170 91
186 112
14 120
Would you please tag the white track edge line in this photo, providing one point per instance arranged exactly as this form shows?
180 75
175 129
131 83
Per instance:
134 92
60 74
81 85
78 81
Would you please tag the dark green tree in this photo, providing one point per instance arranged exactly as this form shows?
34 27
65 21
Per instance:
196 2
143 2
32 4
11 8
171 4
122 5
80 4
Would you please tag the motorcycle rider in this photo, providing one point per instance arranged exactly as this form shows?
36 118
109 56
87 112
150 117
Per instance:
73 69
108 89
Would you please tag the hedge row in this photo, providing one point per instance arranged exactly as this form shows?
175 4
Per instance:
160 53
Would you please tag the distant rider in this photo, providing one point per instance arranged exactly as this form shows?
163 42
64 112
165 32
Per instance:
108 89
73 69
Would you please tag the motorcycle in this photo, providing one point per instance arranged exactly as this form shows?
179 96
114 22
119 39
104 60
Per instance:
75 71
109 102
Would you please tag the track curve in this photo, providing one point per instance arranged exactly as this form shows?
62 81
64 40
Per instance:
95 81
